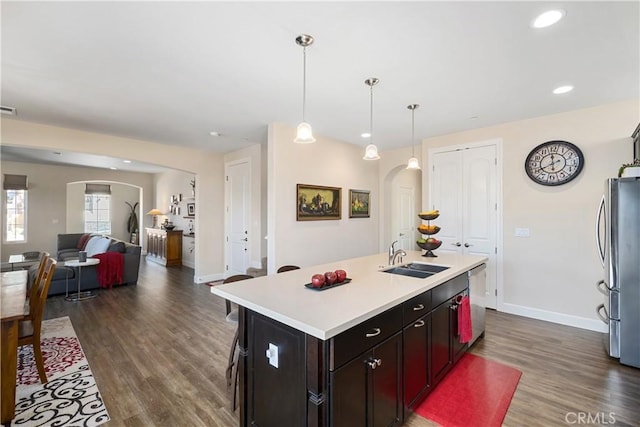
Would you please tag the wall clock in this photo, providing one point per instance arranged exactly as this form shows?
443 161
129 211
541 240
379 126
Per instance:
554 163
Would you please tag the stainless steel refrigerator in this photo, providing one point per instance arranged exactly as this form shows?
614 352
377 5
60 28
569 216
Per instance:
618 243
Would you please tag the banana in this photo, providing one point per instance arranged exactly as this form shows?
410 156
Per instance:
432 212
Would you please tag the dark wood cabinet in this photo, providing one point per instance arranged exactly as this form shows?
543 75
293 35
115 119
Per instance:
368 390
446 347
370 375
416 349
164 246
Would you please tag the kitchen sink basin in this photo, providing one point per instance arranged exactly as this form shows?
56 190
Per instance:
416 269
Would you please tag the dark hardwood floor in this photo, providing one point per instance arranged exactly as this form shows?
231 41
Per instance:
159 350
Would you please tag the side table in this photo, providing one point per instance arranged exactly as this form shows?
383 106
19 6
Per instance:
80 296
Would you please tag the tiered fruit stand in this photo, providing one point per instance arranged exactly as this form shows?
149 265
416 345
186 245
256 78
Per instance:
429 230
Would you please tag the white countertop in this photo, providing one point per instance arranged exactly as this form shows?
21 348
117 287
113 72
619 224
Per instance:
325 314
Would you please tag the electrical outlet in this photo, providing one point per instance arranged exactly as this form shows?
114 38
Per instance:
272 355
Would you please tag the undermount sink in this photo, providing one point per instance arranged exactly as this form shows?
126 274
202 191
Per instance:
416 269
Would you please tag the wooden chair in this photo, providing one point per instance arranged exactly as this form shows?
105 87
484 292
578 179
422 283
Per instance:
232 365
29 329
287 268
44 257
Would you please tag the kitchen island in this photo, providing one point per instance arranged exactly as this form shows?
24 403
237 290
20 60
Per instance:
349 355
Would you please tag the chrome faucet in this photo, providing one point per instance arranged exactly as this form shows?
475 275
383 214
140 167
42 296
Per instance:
393 253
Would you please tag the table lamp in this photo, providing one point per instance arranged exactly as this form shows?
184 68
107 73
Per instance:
155 213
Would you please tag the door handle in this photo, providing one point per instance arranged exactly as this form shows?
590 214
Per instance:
401 234
458 244
466 245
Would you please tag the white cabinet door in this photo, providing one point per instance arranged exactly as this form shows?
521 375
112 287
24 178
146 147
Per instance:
464 189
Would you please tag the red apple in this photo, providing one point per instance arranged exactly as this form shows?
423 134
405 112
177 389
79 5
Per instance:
317 280
342 275
330 277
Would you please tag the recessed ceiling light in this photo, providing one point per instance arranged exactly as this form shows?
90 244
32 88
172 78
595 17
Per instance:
113 168
365 135
548 18
562 89
126 161
473 118
214 133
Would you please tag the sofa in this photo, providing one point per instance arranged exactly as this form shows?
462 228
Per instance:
68 249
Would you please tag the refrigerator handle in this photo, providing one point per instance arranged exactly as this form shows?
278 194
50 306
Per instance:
601 208
600 288
599 310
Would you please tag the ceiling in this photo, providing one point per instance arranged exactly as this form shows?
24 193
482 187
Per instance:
172 72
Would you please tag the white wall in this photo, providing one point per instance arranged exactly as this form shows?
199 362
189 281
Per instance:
48 214
552 274
328 163
206 166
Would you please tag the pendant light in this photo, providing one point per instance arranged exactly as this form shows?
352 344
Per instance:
371 151
304 134
413 161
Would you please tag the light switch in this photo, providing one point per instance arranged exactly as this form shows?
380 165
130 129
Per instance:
522 232
272 355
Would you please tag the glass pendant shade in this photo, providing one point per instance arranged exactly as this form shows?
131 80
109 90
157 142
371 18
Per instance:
371 152
413 163
304 134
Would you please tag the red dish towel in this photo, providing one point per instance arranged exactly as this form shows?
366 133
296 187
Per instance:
464 320
110 269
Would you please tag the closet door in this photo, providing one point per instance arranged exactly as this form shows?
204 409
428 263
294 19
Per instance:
464 189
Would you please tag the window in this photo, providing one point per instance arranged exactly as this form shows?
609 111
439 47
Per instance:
97 213
16 214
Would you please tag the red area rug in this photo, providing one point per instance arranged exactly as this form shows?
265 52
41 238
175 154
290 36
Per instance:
477 392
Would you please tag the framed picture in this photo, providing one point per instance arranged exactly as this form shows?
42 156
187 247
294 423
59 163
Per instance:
314 202
358 204
191 209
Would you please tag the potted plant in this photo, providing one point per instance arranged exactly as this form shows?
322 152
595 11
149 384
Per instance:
629 169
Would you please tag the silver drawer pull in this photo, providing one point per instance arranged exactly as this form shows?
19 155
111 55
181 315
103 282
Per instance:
376 331
418 307
419 324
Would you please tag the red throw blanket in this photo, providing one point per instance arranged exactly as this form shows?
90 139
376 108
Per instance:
464 320
110 269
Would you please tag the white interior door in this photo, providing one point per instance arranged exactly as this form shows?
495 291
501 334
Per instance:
405 216
238 216
464 189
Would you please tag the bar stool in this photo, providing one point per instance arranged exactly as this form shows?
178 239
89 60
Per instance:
232 316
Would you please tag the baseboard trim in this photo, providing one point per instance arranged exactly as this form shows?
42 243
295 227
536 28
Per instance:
208 278
554 317
188 264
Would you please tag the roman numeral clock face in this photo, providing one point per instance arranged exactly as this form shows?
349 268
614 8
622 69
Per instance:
554 163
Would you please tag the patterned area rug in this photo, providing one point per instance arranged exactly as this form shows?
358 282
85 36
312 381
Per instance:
71 396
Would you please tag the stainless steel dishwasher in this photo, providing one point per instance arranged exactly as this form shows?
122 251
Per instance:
477 289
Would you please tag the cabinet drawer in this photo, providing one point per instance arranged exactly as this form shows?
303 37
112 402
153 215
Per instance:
447 290
362 337
416 307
